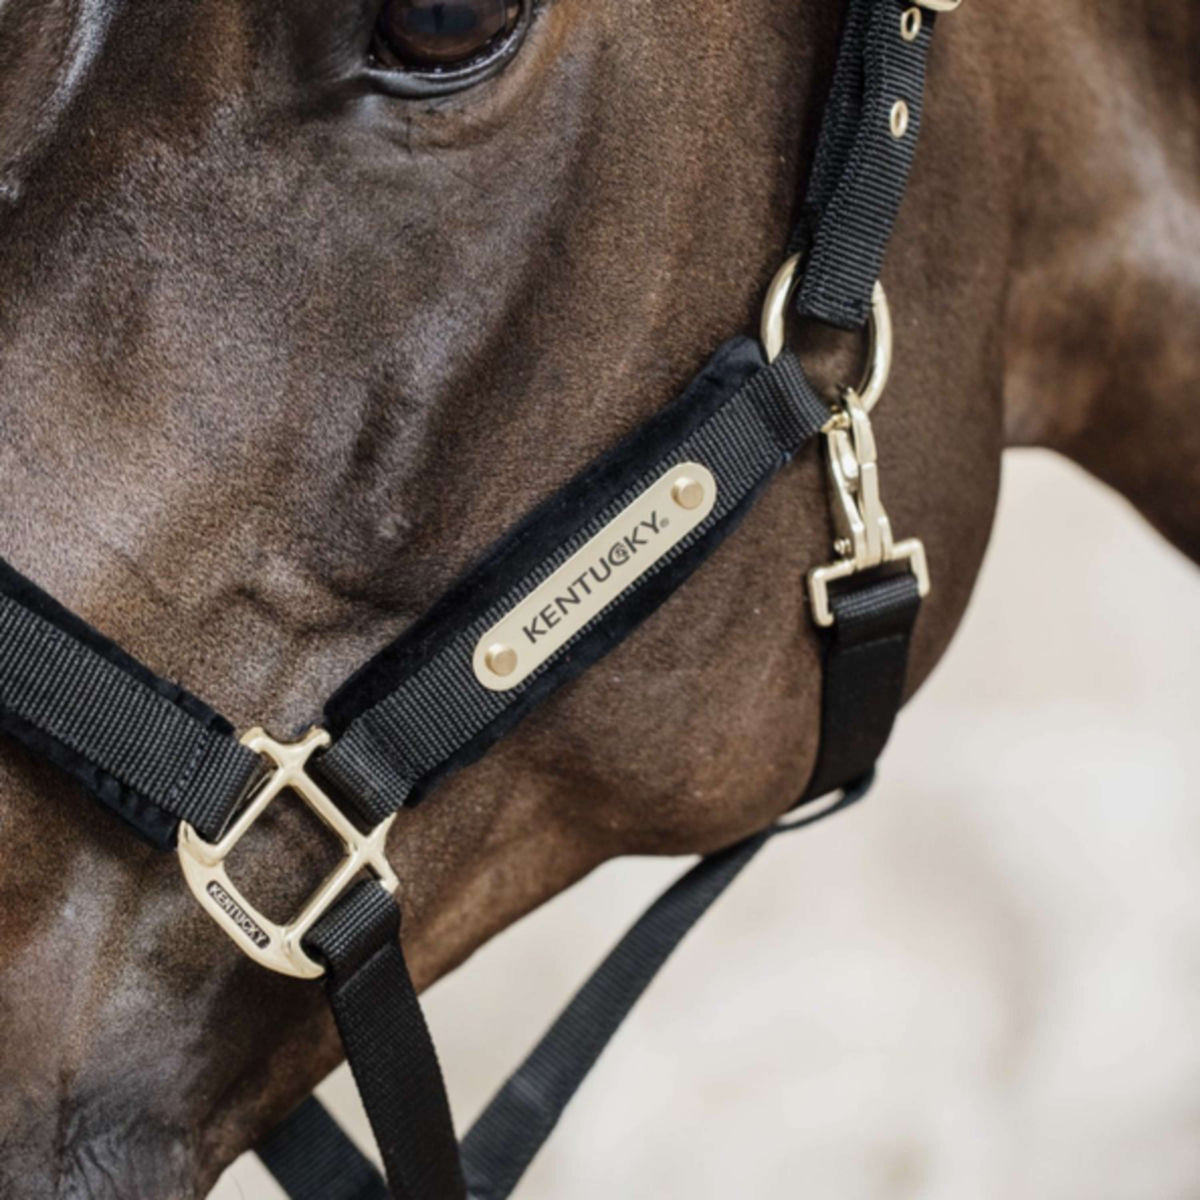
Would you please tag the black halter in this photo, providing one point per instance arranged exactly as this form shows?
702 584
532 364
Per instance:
565 586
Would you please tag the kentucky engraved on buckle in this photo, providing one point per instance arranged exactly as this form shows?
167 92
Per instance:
279 947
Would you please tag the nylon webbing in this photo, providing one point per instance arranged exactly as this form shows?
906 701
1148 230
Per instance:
156 754
863 161
514 1126
387 1044
312 1159
391 753
861 167
863 676
133 740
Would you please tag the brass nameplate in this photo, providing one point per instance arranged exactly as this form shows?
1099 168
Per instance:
592 578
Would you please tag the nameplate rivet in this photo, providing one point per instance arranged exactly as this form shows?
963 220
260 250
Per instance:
501 660
688 492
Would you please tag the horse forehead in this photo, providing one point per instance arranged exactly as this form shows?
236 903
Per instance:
254 340
195 226
174 183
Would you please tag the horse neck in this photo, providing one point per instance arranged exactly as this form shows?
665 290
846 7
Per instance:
1104 281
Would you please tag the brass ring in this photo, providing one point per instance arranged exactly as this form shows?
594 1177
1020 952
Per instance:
879 331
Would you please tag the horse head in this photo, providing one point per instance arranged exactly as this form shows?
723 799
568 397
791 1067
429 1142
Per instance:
286 341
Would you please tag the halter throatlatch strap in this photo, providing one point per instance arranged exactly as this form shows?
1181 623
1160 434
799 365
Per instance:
864 155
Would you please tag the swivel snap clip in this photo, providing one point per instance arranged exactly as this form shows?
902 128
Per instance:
864 530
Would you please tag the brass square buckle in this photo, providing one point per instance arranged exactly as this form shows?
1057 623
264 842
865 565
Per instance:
279 946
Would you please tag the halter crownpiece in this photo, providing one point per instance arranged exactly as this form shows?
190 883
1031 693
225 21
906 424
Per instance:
566 585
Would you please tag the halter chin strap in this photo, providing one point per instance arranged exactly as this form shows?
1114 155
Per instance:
565 586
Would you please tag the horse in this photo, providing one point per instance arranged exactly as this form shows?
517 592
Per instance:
281 352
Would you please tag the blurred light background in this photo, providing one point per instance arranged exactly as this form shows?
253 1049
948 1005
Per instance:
981 984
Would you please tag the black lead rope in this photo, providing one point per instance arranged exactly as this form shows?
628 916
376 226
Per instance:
521 1116
420 709
312 1159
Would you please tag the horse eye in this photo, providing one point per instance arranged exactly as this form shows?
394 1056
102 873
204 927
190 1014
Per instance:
432 35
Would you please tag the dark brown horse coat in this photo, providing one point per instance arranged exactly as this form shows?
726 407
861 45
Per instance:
279 355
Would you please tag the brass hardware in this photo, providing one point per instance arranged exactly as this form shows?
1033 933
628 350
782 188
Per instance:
268 943
940 5
501 660
879 331
910 24
595 575
899 119
863 532
688 492
863 528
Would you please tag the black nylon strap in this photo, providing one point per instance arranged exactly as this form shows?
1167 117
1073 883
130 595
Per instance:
515 1125
388 1045
142 745
854 195
861 168
865 662
313 1159
417 710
